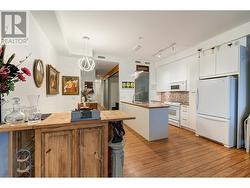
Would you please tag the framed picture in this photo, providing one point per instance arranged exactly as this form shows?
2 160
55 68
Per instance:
143 68
38 72
128 85
89 86
70 85
52 81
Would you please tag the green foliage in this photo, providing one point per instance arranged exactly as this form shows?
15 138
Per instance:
10 59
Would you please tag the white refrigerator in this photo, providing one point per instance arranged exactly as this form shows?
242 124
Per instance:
216 110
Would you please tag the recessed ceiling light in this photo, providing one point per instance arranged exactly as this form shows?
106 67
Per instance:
159 55
101 57
137 47
86 37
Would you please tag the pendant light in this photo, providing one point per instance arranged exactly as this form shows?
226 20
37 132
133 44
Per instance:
87 63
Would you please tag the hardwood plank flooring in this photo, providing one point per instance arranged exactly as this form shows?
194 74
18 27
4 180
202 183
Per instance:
182 155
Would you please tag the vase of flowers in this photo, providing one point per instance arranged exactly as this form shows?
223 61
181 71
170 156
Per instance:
10 74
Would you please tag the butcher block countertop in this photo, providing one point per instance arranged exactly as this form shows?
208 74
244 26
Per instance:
64 119
147 105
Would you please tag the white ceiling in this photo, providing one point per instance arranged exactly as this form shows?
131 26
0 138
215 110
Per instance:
103 67
116 32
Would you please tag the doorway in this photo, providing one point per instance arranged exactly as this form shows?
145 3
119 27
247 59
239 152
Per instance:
111 90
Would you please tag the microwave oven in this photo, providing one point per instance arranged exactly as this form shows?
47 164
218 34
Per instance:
178 86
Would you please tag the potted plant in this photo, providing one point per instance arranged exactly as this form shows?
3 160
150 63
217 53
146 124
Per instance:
10 74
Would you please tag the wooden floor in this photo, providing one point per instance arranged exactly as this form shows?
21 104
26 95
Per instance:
182 155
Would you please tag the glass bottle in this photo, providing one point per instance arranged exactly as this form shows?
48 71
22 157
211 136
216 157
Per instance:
16 116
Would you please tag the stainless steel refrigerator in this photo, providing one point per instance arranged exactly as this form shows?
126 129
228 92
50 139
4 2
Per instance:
142 87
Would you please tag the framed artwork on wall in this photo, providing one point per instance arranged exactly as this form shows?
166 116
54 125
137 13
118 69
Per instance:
38 72
128 85
70 85
88 91
52 81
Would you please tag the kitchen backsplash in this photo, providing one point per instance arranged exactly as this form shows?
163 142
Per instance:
177 96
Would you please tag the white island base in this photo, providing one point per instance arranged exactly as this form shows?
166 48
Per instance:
151 119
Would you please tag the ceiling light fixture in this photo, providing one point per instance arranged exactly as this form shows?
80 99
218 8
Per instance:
137 47
160 52
87 63
173 49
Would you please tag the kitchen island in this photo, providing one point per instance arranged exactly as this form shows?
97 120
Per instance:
151 119
61 148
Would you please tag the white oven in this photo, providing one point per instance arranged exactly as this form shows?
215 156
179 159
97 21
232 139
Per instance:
174 113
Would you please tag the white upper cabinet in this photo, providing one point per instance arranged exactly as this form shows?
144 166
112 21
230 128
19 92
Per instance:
221 60
173 72
207 63
162 78
227 59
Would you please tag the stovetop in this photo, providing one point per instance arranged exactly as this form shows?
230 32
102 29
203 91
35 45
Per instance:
173 103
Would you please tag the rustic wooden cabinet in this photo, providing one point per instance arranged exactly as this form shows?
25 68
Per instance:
58 147
57 154
91 152
72 151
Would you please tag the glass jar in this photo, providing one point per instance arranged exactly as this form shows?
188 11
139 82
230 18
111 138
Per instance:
34 114
16 116
2 102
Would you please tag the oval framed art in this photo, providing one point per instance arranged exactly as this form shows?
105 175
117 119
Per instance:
38 71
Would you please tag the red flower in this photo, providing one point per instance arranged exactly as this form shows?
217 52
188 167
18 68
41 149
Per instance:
1 51
26 71
3 87
4 72
21 77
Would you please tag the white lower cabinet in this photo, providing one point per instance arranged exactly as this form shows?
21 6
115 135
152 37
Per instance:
184 116
192 110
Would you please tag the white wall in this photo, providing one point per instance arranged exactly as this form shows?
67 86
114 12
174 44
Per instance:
40 48
67 66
